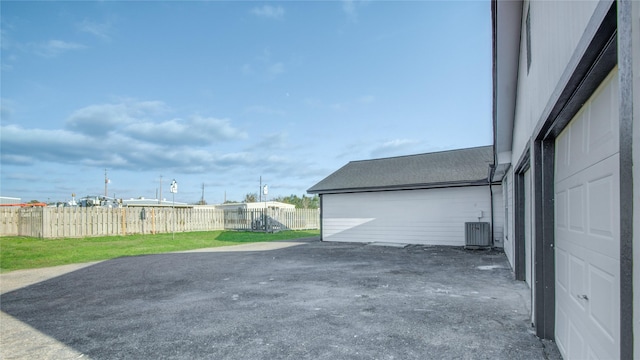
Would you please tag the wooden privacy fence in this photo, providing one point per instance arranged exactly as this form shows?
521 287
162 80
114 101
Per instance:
50 222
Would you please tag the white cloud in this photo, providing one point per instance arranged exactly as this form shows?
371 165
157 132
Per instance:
268 11
216 129
337 106
22 146
6 110
53 48
97 120
394 147
366 99
137 120
16 159
246 69
100 30
264 65
276 69
128 136
273 141
350 8
26 146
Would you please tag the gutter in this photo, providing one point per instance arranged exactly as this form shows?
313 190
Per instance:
480 182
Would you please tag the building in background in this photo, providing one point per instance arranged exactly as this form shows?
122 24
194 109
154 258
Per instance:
423 199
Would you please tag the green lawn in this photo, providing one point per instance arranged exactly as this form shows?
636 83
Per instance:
28 253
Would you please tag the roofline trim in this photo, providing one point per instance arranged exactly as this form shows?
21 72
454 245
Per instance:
420 154
482 182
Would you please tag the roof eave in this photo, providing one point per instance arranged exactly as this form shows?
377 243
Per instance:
506 22
448 184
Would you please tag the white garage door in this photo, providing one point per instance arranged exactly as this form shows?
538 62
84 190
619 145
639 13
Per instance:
587 251
429 217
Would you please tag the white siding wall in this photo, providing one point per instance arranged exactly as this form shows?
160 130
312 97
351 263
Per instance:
498 216
507 186
556 29
428 217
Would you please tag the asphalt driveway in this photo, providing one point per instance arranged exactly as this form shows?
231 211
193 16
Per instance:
287 300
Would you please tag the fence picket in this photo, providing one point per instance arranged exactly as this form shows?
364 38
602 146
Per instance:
80 222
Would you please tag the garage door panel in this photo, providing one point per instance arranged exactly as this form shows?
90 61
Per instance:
576 342
577 145
600 304
600 217
588 291
562 210
603 189
603 123
577 280
591 208
592 135
562 332
576 208
562 271
602 192
587 245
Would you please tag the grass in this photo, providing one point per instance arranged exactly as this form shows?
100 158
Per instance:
28 253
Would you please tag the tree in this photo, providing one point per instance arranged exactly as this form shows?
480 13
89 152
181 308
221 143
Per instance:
305 202
251 197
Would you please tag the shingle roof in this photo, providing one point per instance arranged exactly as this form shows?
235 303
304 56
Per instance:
446 168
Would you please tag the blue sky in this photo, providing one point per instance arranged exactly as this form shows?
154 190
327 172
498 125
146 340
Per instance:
220 93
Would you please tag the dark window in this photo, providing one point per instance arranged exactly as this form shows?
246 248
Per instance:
528 30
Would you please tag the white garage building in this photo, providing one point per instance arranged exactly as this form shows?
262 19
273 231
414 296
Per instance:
416 199
567 135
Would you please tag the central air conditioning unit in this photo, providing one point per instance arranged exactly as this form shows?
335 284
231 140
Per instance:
477 235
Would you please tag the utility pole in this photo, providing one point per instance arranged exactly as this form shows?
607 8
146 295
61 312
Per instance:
202 199
260 191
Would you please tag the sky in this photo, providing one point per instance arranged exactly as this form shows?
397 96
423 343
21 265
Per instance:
218 94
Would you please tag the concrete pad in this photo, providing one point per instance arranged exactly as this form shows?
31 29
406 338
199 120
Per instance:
388 244
20 278
21 341
314 300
